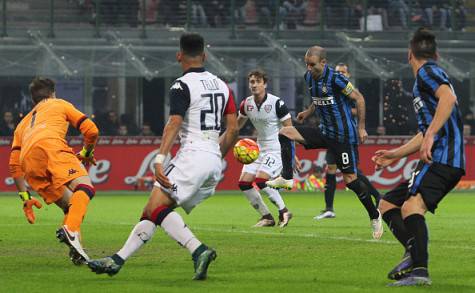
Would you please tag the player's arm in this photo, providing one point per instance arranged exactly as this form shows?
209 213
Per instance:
242 117
179 95
360 113
87 128
301 116
384 158
447 101
18 178
230 135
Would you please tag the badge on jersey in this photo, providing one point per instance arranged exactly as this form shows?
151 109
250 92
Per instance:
348 89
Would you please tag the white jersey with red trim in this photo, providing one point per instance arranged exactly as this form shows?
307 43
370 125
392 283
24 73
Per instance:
267 118
202 99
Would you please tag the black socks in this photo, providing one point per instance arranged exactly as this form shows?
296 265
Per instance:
361 190
418 241
393 219
330 187
287 153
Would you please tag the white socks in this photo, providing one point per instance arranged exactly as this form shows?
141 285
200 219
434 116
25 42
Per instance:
255 199
175 227
141 233
274 197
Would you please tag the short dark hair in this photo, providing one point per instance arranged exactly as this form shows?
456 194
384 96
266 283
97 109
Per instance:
41 88
344 64
423 44
259 73
192 44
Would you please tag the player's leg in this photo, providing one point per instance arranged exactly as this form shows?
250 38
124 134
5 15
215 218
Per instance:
310 137
390 208
330 187
74 202
252 194
347 162
288 135
372 190
270 167
429 185
189 177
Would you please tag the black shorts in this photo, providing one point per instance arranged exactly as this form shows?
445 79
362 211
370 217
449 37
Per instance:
330 157
432 181
345 155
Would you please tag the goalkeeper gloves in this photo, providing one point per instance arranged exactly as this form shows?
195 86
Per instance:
28 203
86 156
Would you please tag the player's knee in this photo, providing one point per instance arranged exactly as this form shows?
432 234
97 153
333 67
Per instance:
331 169
261 183
413 205
87 189
245 185
385 206
349 178
158 214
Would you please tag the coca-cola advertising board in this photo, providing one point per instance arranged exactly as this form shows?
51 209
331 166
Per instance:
122 160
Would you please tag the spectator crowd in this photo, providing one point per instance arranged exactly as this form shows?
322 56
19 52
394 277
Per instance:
286 14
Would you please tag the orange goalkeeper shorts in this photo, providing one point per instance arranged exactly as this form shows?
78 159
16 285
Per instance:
48 166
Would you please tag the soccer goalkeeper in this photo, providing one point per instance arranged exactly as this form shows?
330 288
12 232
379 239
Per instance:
41 157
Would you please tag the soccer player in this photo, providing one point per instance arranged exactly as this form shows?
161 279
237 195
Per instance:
332 96
41 156
442 161
268 114
199 102
330 175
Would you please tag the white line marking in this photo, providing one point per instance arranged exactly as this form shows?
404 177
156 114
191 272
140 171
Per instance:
267 233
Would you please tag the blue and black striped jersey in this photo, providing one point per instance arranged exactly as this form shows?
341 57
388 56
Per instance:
330 96
448 146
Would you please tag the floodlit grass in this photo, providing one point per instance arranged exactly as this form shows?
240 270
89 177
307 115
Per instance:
333 255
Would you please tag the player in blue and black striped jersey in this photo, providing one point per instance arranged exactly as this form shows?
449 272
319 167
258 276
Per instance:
442 161
330 158
333 96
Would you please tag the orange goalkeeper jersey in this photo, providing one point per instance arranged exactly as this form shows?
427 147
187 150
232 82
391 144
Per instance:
50 119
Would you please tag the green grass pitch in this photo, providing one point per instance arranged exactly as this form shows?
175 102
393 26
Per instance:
335 255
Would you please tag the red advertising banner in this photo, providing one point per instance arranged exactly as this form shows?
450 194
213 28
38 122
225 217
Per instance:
122 162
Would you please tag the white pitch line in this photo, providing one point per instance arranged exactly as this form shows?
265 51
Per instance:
267 233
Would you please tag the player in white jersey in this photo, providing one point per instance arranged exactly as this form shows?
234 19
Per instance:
267 114
199 101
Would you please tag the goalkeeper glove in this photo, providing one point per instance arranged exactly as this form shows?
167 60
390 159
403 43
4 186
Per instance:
28 203
86 156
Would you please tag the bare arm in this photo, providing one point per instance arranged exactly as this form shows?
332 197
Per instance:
304 114
360 113
446 103
229 137
20 184
241 120
360 107
170 133
384 158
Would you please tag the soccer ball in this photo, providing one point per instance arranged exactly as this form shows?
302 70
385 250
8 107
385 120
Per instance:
246 151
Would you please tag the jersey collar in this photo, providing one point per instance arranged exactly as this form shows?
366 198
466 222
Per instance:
428 62
260 104
326 70
194 69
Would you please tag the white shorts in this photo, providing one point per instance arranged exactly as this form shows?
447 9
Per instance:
269 163
194 175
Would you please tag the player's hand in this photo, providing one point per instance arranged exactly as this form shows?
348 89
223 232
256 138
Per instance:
28 203
383 158
362 135
301 116
86 156
161 178
426 148
298 163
